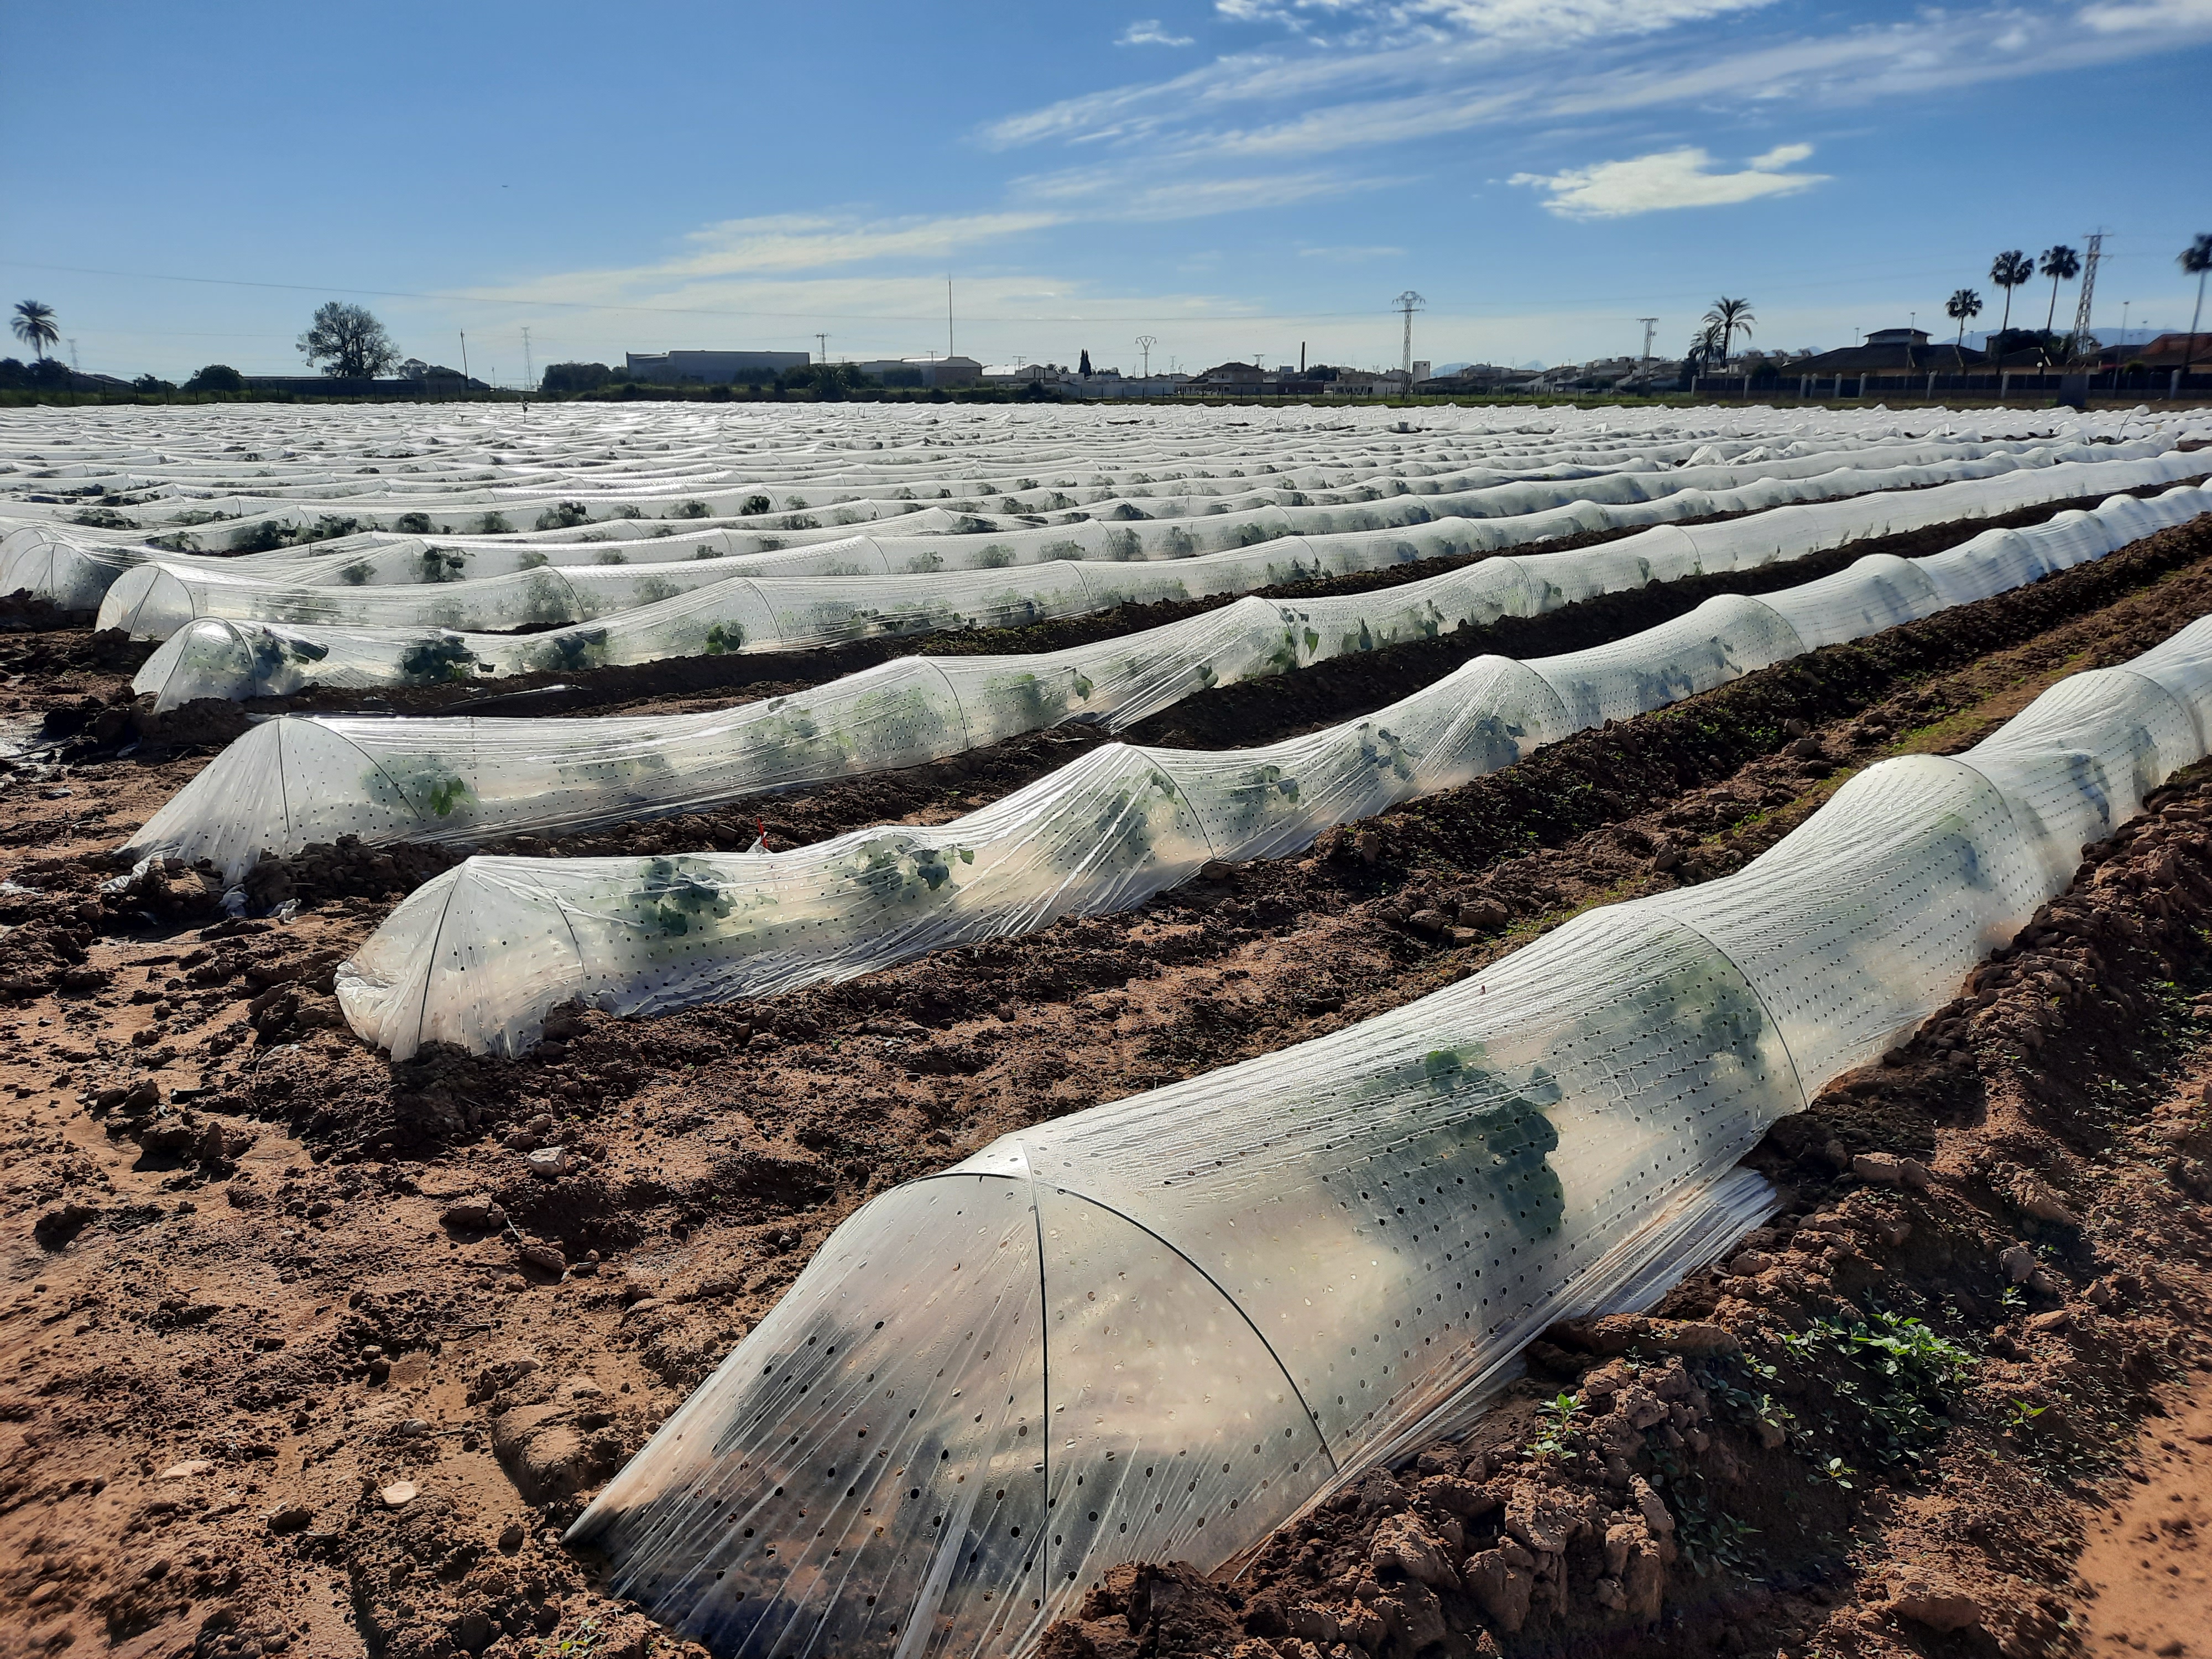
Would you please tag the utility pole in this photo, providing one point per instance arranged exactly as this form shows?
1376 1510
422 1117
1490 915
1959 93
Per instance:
2090 255
465 360
948 313
526 370
1144 344
1409 302
76 367
1643 364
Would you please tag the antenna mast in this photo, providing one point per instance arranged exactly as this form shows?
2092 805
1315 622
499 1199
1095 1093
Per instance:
1409 302
2095 252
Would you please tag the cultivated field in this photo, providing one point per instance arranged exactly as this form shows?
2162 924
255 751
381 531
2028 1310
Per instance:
1188 1031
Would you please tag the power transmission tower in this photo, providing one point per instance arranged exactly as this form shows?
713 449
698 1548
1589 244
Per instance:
1650 327
1144 344
823 340
1409 302
2090 255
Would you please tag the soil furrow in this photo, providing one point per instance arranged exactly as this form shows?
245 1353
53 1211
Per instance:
272 1276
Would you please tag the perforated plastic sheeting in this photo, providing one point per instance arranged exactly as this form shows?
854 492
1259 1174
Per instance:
479 955
1157 1329
480 584
588 502
452 779
69 572
155 600
239 659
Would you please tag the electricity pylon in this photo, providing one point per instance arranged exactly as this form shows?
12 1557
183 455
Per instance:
1409 302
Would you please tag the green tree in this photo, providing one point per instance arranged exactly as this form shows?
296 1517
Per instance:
1963 305
1730 317
2195 260
348 341
1704 348
34 326
2061 265
216 377
2008 271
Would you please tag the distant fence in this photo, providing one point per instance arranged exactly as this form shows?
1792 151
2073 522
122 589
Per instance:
2065 388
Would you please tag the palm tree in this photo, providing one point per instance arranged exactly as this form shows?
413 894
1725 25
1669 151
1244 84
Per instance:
2195 260
2061 265
1705 347
1728 316
2008 271
34 326
1963 304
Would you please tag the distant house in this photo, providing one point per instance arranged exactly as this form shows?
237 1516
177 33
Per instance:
1469 378
1229 377
1889 351
1371 383
709 367
2192 352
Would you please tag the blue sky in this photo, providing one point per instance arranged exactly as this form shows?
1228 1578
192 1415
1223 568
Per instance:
1230 177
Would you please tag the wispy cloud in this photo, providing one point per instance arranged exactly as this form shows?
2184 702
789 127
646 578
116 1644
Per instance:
1547 22
787 245
1114 190
1428 69
1147 32
1668 179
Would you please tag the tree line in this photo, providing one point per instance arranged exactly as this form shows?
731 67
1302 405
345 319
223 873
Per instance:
2013 268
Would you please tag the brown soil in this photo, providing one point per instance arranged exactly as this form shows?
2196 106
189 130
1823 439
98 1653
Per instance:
258 1276
2149 1582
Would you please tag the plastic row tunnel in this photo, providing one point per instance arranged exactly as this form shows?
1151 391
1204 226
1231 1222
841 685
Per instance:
297 497
235 658
478 956
299 779
1157 1329
155 600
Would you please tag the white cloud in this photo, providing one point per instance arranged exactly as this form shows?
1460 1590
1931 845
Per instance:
1115 192
1147 32
796 241
1428 69
1668 179
781 245
1532 22
1780 156
2149 14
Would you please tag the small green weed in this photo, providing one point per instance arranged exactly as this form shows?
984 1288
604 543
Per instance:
1899 1379
1558 1416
